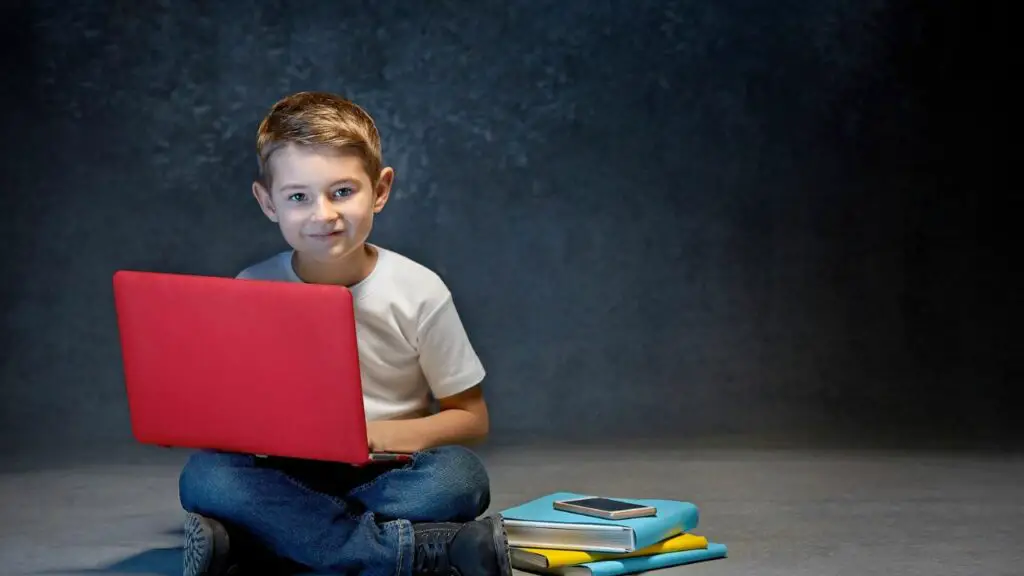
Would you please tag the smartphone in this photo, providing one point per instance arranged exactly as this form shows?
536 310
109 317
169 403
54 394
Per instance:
605 508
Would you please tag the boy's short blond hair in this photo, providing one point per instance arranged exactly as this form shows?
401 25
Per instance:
319 120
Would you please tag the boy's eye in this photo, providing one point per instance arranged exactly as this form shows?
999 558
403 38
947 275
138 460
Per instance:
297 197
343 192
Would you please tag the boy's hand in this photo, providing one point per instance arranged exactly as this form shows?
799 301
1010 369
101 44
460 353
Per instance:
462 419
379 434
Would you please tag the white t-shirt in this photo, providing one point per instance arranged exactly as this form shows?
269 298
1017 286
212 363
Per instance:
412 343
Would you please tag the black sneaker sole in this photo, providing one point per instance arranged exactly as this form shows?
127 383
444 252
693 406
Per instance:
501 544
206 547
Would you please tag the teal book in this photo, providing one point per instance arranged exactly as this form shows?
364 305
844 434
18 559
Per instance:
536 524
639 564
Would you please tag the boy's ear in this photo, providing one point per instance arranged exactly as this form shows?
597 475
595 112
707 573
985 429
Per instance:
383 191
262 196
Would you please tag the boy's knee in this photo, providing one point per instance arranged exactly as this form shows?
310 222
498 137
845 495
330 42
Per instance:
211 481
460 479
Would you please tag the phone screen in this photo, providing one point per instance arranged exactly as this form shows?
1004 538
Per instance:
604 504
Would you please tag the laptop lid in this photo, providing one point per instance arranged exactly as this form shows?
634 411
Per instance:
250 366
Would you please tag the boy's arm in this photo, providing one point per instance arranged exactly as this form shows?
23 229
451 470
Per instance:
453 372
462 419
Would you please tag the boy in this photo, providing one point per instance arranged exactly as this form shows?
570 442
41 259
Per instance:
321 180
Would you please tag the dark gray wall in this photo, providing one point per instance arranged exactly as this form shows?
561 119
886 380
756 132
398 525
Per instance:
659 218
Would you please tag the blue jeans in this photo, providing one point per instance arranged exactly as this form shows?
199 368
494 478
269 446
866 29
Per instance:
331 517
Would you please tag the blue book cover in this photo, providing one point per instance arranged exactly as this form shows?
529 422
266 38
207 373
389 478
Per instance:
537 524
638 564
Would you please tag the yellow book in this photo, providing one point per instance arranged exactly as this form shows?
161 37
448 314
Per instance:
533 558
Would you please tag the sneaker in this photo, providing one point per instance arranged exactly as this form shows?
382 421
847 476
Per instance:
206 547
477 548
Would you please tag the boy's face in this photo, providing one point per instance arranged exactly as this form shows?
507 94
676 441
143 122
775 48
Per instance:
323 201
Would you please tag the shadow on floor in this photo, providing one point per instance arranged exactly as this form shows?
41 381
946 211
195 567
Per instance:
155 562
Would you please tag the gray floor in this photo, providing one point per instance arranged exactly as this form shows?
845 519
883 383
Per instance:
780 512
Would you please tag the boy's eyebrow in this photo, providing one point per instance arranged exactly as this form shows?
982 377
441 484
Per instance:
299 186
352 181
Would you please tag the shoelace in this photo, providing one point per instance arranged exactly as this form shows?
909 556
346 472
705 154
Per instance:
432 553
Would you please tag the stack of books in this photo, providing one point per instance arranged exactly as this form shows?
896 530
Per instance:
544 540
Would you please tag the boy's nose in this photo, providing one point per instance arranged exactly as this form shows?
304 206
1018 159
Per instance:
324 211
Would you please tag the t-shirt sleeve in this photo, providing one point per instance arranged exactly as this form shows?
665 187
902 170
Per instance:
447 358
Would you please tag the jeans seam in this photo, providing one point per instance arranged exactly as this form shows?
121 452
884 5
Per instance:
401 550
338 501
363 487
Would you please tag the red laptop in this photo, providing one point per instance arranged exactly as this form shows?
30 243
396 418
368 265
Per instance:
257 367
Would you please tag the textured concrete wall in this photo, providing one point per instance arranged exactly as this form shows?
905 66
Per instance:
659 218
